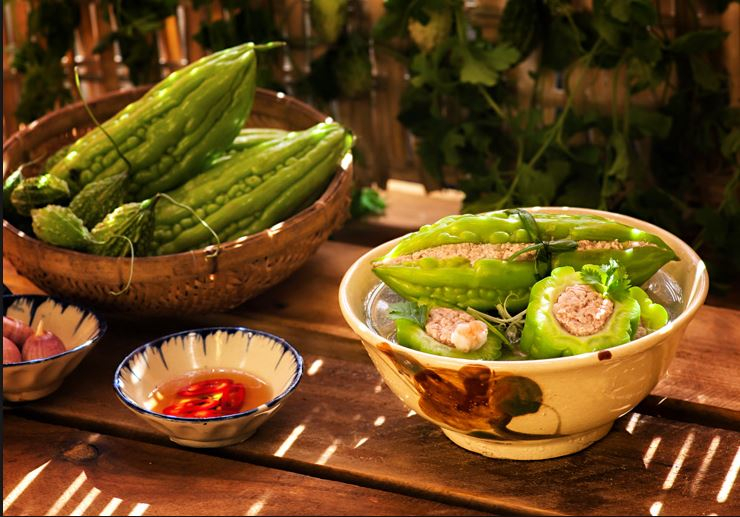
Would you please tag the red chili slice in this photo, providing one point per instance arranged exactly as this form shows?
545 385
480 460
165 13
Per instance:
189 411
205 387
209 398
173 410
204 413
200 403
233 399
187 405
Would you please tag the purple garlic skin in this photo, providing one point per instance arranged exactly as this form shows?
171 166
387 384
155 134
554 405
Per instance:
40 346
17 331
11 354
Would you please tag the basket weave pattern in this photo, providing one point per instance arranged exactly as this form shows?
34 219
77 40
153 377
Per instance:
180 283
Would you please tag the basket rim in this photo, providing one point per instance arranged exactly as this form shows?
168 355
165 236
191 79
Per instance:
317 208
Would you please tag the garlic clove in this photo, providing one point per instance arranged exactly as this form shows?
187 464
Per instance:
16 330
40 346
11 354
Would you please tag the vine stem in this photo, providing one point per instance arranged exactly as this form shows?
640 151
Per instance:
491 103
98 124
460 23
558 126
130 270
200 220
555 129
131 263
512 187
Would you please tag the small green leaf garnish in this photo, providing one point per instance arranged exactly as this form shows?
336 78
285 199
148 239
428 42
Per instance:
611 280
409 311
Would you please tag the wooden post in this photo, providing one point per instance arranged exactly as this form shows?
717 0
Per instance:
731 23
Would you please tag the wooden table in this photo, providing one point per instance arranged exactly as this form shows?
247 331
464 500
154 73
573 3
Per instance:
343 444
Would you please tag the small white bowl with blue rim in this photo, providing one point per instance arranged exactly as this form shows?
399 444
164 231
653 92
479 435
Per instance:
77 327
267 357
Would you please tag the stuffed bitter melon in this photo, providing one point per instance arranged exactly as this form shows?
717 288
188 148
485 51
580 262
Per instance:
443 331
470 260
573 312
653 316
171 132
252 190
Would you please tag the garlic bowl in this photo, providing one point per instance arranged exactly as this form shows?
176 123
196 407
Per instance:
531 409
78 328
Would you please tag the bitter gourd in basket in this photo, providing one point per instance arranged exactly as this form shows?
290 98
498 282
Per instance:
170 133
252 190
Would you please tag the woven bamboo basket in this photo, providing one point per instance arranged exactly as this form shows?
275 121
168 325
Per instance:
180 283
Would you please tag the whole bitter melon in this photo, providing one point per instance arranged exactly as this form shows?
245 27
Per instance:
251 191
9 185
38 191
247 139
98 198
58 225
171 132
252 136
129 224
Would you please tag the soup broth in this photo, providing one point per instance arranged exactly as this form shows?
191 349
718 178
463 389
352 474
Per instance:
661 288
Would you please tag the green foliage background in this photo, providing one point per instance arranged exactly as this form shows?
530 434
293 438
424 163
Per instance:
462 106
653 163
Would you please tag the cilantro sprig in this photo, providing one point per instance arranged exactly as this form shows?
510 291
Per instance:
409 311
611 280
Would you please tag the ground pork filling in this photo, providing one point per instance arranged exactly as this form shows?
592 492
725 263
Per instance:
581 311
476 251
641 331
456 329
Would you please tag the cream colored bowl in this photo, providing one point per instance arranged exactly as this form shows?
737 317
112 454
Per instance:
77 327
260 354
536 409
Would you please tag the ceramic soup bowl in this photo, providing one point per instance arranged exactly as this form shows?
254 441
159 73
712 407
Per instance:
531 409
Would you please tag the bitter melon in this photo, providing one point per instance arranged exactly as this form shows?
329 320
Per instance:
251 191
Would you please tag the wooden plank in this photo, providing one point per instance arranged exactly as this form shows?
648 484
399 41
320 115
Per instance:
344 410
17 283
731 23
706 369
108 65
80 472
305 311
90 67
